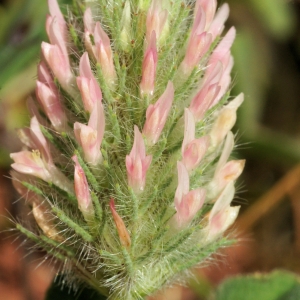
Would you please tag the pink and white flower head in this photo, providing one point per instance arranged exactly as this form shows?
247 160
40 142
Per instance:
101 48
156 115
156 20
187 203
222 214
90 136
121 228
225 121
149 67
88 85
48 96
193 150
82 191
137 163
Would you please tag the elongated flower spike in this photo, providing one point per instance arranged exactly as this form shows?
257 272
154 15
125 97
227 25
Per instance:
90 136
99 45
187 203
82 192
121 228
156 115
149 67
222 214
137 163
47 95
192 149
225 121
132 103
88 85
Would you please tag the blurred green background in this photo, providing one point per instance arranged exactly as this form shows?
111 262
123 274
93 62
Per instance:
267 70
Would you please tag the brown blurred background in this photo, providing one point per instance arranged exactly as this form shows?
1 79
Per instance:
267 70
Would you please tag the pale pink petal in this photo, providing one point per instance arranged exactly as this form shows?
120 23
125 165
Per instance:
82 191
217 25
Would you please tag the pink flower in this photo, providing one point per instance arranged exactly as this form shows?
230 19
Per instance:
60 66
87 84
121 228
39 140
48 96
90 136
101 48
222 214
225 171
204 100
221 55
137 163
31 163
225 120
199 43
156 20
82 192
156 115
192 149
187 203
149 67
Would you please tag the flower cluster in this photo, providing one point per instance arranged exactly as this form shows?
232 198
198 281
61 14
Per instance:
126 162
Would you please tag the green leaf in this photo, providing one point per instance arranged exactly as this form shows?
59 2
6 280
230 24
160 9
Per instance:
58 291
278 285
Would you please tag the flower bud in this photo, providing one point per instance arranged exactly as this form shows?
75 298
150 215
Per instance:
121 228
156 115
125 35
192 149
137 163
90 136
222 214
149 67
187 203
88 85
82 192
156 20
225 120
